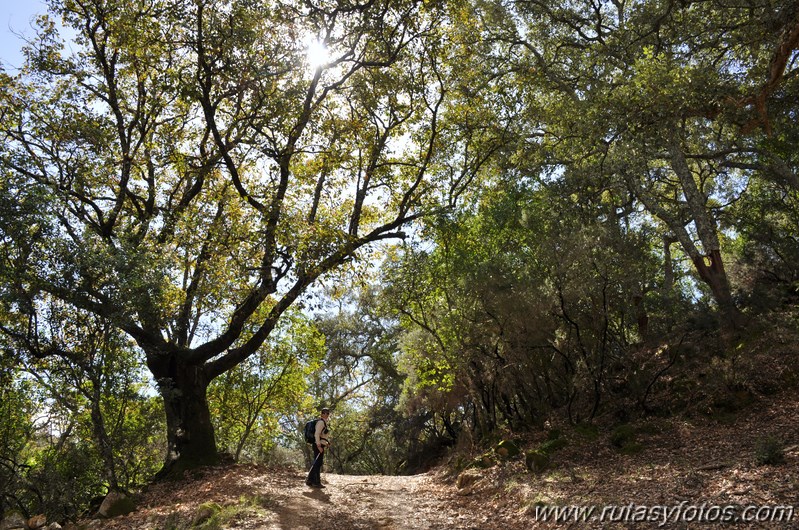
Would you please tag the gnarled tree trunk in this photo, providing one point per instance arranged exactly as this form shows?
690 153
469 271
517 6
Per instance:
715 276
190 433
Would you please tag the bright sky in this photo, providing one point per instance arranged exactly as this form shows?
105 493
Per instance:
16 16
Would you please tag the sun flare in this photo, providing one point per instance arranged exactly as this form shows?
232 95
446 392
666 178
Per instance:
317 54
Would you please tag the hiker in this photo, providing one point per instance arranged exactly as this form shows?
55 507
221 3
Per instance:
321 441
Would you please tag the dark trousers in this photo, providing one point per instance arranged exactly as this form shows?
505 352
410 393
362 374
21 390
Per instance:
315 474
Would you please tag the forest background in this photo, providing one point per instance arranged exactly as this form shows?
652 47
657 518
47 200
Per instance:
451 222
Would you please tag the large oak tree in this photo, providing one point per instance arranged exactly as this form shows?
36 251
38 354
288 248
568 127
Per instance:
185 170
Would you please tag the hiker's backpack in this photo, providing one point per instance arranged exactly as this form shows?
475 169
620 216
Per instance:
310 431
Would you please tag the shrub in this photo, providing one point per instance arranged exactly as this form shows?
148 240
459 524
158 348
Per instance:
587 431
552 445
769 451
623 438
622 435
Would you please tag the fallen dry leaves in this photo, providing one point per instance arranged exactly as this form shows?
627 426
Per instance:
684 461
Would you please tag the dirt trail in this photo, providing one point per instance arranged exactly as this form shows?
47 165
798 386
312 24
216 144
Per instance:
278 499
373 502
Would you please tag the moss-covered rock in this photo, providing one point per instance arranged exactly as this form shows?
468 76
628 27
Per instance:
116 504
508 449
536 461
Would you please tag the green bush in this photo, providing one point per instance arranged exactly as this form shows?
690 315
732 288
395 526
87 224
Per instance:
622 435
587 431
769 451
67 478
624 439
550 446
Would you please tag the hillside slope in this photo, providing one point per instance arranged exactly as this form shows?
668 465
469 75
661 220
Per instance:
697 468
